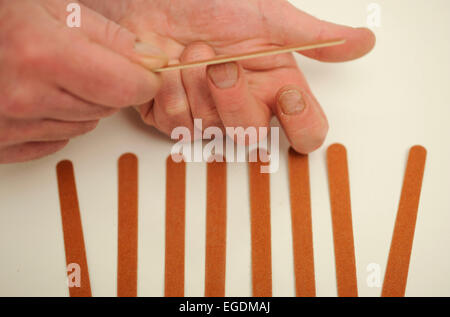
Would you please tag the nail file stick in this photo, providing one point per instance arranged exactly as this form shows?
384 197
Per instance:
260 230
302 234
72 229
244 56
341 214
402 241
175 228
216 229
128 226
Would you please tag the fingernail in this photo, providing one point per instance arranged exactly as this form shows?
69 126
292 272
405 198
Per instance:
148 50
224 76
150 56
292 102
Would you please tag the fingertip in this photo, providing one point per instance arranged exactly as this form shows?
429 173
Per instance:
302 118
311 143
367 39
197 51
368 33
359 42
312 140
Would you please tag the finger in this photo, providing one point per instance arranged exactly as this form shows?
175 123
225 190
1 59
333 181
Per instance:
121 40
171 106
17 132
112 35
302 118
103 77
66 107
73 62
41 101
290 25
29 151
196 85
61 105
236 105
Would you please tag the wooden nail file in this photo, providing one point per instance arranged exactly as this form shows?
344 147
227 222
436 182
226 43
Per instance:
302 235
216 229
175 228
402 241
260 230
250 55
128 226
72 228
344 247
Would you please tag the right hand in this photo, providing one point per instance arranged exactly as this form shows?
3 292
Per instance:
56 82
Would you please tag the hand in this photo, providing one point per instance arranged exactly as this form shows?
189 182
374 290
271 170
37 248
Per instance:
236 94
57 82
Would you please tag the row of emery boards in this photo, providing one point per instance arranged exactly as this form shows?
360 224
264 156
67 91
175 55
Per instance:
215 251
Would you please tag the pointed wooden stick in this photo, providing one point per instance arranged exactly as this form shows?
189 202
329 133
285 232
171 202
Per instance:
263 53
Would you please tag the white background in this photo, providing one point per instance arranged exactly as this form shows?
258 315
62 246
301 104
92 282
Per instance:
379 106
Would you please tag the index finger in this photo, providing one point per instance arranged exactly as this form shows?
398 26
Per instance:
97 74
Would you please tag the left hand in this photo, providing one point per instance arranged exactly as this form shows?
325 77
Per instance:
240 94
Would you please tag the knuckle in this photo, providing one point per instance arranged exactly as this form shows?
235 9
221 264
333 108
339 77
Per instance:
197 51
112 30
31 54
20 36
24 47
27 46
174 106
115 34
176 109
16 107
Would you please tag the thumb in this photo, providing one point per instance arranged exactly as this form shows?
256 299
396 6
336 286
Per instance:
121 40
111 35
293 26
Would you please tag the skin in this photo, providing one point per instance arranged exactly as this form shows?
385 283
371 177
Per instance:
49 92
190 30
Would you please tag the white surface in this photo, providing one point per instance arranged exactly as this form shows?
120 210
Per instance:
378 107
